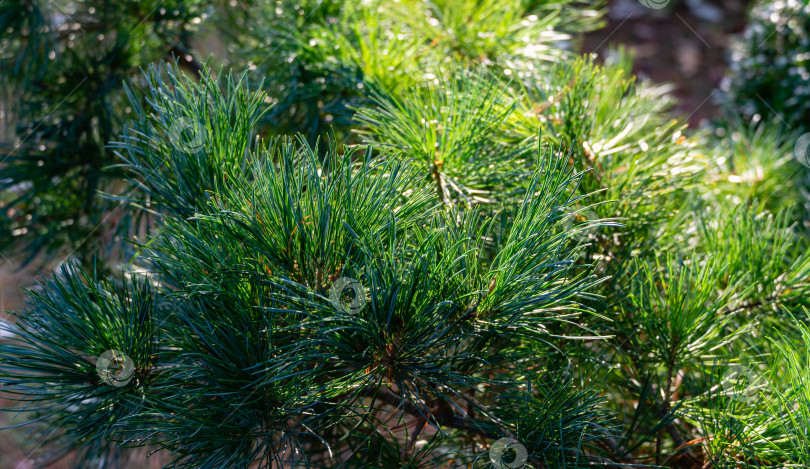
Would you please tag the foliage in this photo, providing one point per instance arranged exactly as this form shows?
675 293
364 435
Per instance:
64 66
321 58
427 227
770 65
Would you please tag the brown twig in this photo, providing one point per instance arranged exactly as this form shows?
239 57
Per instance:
186 60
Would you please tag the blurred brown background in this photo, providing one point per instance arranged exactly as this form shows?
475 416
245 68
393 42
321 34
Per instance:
683 42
